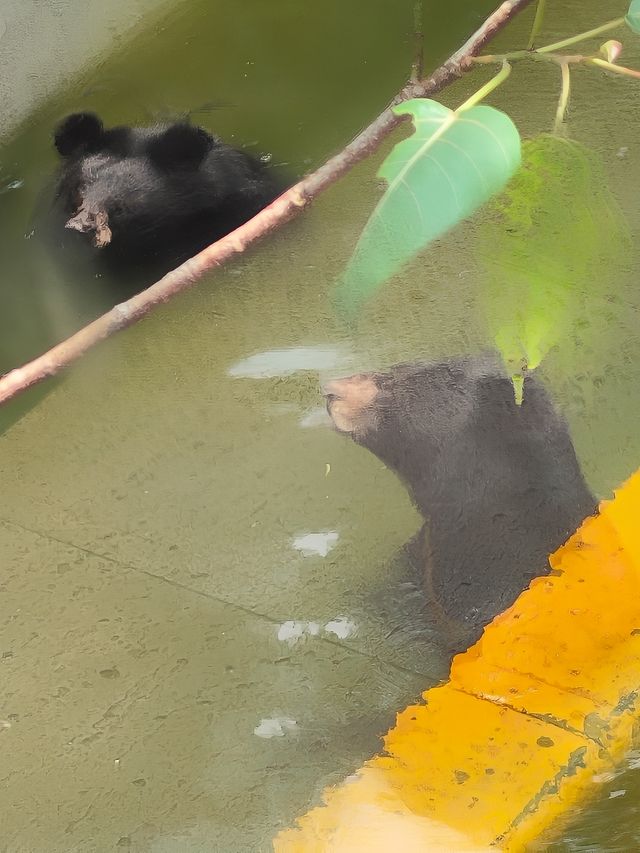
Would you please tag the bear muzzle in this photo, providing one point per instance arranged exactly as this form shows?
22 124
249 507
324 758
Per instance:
89 219
350 402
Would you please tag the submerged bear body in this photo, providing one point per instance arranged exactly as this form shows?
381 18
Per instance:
498 484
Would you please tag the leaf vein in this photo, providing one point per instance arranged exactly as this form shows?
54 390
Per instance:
470 159
492 135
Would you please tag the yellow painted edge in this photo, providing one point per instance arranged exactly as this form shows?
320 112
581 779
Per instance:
543 704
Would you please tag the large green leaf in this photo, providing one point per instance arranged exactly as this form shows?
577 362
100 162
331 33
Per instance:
453 163
633 16
552 246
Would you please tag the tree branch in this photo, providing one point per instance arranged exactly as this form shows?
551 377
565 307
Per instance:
283 209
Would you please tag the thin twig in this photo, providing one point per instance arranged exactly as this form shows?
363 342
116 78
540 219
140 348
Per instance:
589 34
283 209
537 24
417 69
546 50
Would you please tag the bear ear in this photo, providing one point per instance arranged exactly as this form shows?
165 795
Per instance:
180 146
78 132
118 141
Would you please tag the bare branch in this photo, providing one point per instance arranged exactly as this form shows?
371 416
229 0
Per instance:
283 209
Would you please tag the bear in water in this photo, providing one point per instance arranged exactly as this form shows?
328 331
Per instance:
498 484
154 196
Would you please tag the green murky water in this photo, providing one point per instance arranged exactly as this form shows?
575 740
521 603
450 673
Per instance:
156 502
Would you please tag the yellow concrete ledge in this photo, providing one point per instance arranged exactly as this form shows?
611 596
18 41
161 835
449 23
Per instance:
532 714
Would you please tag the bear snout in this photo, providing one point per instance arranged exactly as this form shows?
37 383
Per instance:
349 402
88 220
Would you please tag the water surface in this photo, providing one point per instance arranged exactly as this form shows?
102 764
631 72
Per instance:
205 617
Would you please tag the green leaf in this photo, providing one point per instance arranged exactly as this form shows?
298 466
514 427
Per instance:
453 163
551 245
633 16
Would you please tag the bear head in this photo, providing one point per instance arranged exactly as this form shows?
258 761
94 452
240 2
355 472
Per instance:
139 191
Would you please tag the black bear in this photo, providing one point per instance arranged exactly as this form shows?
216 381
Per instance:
498 484
154 196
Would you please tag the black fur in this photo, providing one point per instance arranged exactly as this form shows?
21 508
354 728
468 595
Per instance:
154 195
499 485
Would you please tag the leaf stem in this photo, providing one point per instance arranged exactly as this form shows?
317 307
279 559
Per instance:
559 45
563 101
537 23
513 55
482 93
611 66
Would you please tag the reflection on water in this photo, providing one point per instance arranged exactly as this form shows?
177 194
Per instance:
44 43
286 362
152 499
275 727
316 543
